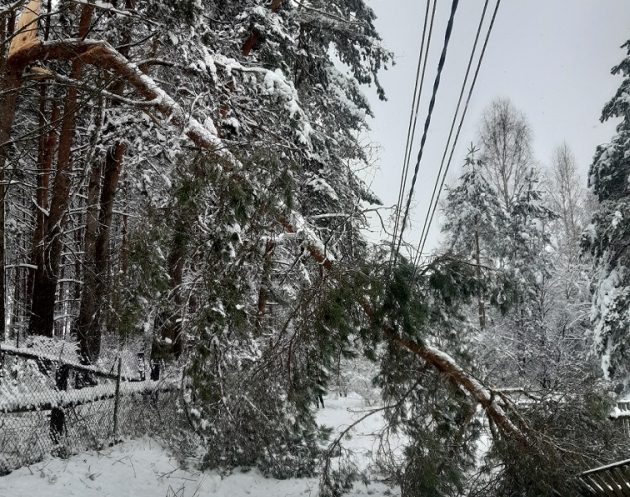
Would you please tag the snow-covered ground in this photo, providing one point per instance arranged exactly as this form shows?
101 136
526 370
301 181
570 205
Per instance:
143 468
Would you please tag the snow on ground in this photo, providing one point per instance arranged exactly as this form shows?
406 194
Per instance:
143 468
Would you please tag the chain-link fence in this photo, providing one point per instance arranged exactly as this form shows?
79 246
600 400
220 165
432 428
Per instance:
51 405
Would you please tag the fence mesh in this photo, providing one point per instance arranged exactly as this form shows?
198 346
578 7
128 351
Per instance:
54 406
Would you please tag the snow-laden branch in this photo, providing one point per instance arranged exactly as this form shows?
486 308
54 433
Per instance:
274 83
106 6
39 74
446 365
313 244
457 375
101 54
12 7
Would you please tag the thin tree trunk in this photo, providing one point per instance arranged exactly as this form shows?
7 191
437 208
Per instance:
176 262
87 307
11 82
124 248
480 296
263 292
111 176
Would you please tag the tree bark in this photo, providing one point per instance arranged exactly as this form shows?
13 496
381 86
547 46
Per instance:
47 274
88 300
176 262
43 182
265 283
442 362
480 297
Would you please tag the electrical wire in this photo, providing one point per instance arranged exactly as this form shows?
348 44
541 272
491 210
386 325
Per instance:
459 128
453 122
436 84
413 115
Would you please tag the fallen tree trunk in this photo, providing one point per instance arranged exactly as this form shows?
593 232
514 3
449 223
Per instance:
441 361
452 371
104 56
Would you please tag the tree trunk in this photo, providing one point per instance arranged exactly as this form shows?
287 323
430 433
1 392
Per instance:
43 181
47 273
263 292
480 297
87 307
172 326
11 82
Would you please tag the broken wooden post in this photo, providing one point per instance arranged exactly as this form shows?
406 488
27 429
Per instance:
57 415
117 400
141 366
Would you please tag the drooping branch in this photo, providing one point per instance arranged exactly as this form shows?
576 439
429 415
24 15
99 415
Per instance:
448 367
439 360
254 36
102 55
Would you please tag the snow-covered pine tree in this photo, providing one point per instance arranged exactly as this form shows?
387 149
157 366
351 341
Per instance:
473 218
239 136
505 237
607 238
262 321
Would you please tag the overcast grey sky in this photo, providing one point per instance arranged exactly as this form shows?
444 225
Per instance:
552 58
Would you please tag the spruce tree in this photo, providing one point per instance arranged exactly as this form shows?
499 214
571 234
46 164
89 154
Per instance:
608 236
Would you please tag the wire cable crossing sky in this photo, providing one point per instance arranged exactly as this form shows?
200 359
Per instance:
436 84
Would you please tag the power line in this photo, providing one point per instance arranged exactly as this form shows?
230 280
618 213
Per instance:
436 84
459 128
453 122
413 115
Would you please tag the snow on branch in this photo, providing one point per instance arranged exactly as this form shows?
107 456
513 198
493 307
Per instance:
313 244
452 371
12 7
101 54
274 83
114 10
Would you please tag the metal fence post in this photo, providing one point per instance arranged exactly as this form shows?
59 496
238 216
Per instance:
117 399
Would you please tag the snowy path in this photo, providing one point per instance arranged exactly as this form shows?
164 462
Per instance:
142 468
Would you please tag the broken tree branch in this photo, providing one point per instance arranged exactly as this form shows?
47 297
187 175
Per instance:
101 54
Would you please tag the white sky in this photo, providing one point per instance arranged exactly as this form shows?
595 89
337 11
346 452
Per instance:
552 58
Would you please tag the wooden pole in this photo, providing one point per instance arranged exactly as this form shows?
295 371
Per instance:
117 400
